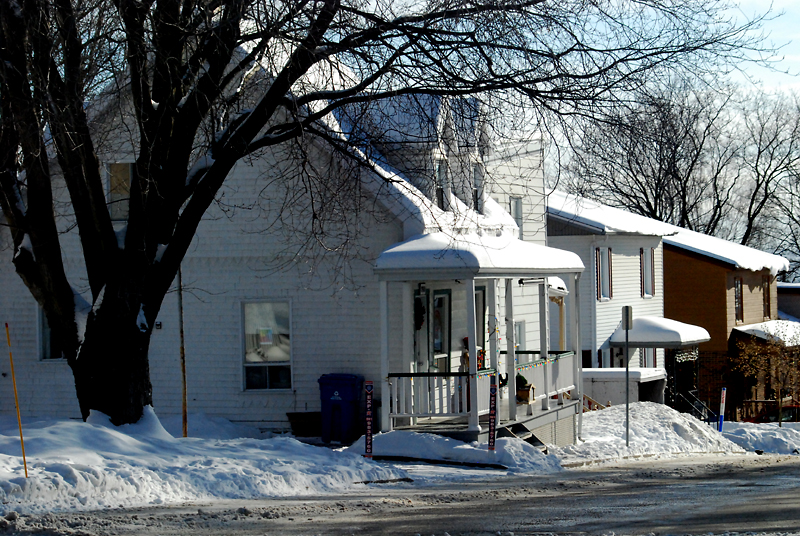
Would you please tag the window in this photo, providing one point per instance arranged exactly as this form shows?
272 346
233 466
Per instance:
738 299
515 207
477 186
441 184
519 336
649 357
647 271
441 322
119 190
267 345
480 316
765 288
49 347
603 273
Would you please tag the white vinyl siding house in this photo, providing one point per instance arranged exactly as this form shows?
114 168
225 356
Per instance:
617 257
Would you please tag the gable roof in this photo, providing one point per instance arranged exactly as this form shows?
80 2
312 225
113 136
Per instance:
602 219
736 255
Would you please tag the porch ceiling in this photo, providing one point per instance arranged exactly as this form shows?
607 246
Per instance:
657 332
439 256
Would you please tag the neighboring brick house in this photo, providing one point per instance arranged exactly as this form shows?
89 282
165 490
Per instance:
789 301
718 285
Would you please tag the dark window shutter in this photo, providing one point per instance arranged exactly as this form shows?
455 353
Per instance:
653 271
610 279
597 272
641 271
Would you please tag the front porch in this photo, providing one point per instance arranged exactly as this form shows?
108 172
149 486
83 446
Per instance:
421 390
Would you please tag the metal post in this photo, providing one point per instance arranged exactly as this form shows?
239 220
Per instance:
576 347
627 324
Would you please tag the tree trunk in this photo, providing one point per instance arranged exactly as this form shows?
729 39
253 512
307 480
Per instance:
111 370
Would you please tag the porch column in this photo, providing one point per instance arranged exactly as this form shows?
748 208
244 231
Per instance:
386 395
576 346
491 296
511 368
473 357
544 339
408 341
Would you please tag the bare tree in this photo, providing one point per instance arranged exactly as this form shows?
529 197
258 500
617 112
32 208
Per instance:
773 360
707 160
666 156
203 84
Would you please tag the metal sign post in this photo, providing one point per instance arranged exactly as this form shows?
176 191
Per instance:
722 408
627 324
368 387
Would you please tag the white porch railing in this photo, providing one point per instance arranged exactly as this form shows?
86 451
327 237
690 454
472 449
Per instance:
436 394
550 377
446 394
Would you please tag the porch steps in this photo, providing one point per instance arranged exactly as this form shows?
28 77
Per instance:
520 431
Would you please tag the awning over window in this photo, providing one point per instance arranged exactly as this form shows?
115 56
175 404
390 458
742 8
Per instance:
446 256
656 332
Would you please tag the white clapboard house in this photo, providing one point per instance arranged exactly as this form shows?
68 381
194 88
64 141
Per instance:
439 272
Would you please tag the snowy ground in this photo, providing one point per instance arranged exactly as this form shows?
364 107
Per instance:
82 466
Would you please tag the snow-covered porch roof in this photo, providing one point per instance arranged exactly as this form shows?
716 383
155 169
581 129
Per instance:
784 331
467 256
657 332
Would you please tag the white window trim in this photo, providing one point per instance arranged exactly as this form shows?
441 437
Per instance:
243 350
603 274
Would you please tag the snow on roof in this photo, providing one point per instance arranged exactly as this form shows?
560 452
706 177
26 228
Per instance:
616 374
657 332
609 220
451 256
784 331
789 288
743 257
603 219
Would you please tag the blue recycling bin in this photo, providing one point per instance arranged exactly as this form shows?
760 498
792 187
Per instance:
340 395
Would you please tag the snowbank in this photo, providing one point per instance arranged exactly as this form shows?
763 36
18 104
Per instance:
767 437
82 466
655 429
518 456
75 465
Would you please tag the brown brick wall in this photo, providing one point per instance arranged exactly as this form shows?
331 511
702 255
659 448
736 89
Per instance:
695 292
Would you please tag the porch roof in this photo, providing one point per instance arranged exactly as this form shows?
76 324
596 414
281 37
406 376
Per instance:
462 256
657 332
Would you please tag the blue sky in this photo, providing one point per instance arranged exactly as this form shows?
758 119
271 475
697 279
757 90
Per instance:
784 31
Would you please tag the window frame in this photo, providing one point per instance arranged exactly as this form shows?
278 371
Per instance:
447 331
603 273
115 209
442 182
45 342
515 208
738 300
766 288
647 272
266 364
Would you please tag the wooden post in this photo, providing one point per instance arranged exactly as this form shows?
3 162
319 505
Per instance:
16 401
544 340
386 423
511 368
473 357
185 410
